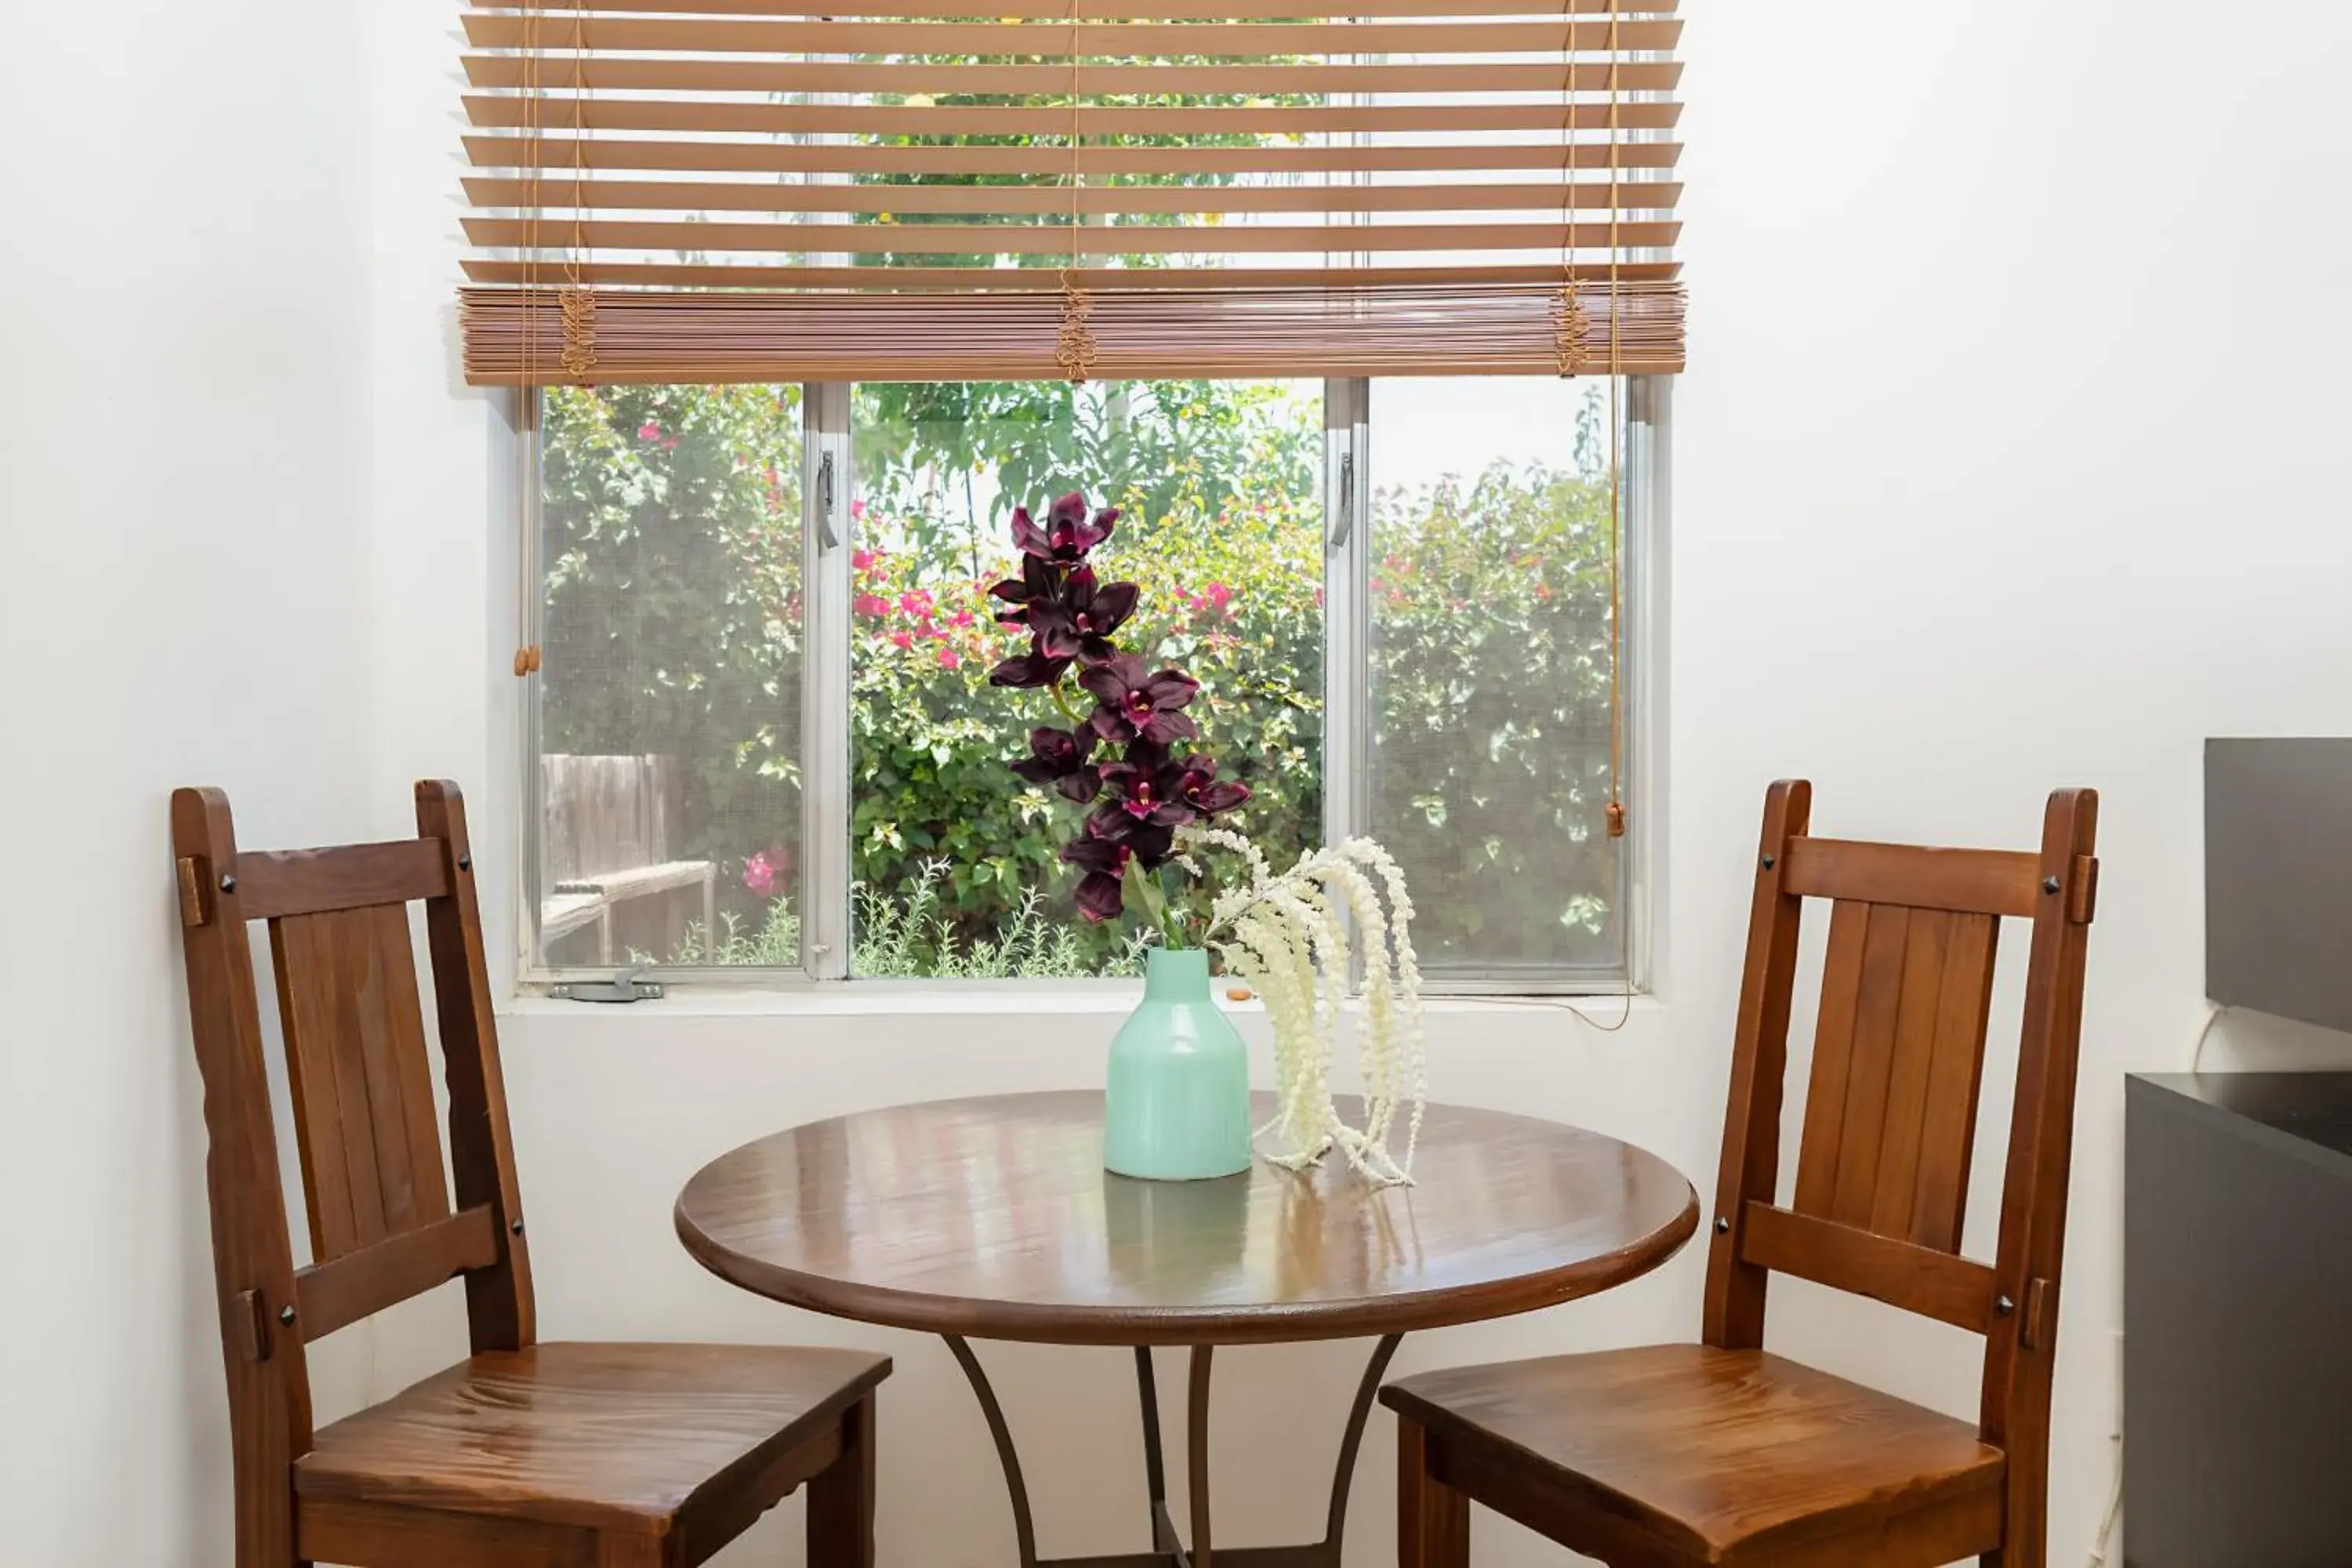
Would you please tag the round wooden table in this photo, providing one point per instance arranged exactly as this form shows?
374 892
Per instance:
992 1219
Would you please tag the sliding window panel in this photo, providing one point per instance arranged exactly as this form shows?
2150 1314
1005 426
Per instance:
669 787
1219 485
1488 644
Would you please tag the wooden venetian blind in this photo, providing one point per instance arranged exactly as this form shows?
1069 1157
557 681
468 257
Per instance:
732 190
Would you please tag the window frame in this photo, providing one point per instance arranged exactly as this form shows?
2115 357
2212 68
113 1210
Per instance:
828 539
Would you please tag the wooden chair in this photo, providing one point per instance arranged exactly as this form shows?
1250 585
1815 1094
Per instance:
1720 1452
526 1455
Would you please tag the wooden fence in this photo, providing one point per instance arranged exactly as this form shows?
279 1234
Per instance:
610 829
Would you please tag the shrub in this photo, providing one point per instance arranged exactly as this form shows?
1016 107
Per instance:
673 626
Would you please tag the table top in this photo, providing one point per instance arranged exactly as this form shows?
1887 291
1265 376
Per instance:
993 1218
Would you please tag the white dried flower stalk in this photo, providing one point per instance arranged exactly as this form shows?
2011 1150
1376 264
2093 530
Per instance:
1288 935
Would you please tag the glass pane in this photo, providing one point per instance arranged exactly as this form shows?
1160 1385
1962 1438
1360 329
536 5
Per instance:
670 715
1489 644
956 859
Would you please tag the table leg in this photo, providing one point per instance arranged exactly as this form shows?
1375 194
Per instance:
1167 1550
1359 1416
1196 1451
1155 1469
1024 1529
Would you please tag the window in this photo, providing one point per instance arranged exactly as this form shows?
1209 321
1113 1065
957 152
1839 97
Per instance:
956 861
765 739
672 625
1487 700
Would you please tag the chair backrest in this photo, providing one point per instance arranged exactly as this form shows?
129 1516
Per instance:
1890 1116
383 1226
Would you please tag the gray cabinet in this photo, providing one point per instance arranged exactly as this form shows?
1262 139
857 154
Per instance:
2238 1320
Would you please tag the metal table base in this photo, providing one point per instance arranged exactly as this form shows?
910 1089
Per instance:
1167 1550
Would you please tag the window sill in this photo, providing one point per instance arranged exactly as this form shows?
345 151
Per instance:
1105 999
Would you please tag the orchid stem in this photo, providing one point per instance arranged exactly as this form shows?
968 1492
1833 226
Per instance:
1155 908
1055 692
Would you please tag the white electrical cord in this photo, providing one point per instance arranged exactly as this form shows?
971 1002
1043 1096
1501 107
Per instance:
2197 1053
2114 1511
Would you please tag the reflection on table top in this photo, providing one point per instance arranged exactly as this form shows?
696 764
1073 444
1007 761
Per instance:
993 1217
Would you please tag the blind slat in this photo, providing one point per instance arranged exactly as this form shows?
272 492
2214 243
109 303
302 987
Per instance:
1125 10
556 193
604 75
1040 239
558 113
830 158
1449 329
689 275
557 35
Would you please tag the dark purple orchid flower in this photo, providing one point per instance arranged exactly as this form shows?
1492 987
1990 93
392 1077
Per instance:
1150 790
1105 864
1077 622
1039 582
1031 669
1143 797
1068 533
1140 706
1142 794
1058 757
1196 785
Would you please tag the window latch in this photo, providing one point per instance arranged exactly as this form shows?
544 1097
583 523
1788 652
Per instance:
625 987
826 538
1346 528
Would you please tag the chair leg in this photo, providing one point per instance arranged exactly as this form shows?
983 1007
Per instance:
1432 1519
841 1499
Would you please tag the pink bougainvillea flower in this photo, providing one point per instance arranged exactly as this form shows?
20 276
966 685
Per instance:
961 619
862 560
950 658
902 639
1219 596
871 605
669 444
917 601
759 874
857 508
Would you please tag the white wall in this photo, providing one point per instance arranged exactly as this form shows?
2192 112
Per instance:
2032 481
183 599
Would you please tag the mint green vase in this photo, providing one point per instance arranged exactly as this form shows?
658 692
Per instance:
1178 1108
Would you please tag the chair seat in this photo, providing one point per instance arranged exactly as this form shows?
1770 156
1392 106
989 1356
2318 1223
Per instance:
1688 1453
600 1436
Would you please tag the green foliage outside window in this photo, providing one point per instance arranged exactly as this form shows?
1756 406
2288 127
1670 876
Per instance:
673 570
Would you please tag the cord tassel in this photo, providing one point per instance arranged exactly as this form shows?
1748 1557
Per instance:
1571 326
578 356
1075 348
